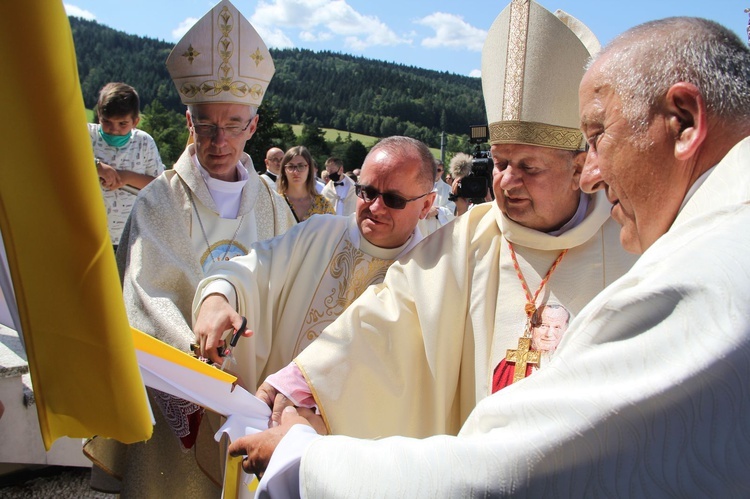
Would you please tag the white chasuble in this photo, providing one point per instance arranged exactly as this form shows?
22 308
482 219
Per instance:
347 275
163 254
425 342
647 395
164 251
291 287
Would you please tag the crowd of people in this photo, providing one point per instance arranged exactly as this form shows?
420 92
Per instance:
574 325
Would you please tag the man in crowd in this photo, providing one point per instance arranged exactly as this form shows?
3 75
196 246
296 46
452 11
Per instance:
211 207
287 300
442 210
273 166
647 394
340 190
442 189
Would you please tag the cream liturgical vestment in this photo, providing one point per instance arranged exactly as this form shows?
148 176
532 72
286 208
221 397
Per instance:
647 394
175 234
164 254
293 286
433 332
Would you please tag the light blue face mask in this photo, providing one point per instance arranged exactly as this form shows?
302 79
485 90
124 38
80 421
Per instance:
115 140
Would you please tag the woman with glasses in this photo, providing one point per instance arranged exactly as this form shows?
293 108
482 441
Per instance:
297 184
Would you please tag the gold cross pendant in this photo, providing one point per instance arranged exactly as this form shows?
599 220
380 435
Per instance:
521 357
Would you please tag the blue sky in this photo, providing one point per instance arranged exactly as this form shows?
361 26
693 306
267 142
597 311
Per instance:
440 35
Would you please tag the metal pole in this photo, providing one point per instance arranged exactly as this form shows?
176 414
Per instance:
442 145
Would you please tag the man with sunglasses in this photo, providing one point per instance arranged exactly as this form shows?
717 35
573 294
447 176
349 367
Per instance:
293 286
415 355
209 208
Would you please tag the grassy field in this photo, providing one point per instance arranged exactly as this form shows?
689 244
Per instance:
332 133
367 140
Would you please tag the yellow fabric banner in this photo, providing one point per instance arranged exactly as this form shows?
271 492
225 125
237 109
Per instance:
78 341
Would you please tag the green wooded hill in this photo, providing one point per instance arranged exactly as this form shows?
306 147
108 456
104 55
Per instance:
328 89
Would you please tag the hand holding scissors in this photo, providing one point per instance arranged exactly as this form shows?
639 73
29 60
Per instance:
227 353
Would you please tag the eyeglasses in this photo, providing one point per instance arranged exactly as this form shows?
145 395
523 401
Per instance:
273 160
369 194
295 168
212 131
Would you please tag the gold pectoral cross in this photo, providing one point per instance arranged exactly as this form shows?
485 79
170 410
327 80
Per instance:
521 357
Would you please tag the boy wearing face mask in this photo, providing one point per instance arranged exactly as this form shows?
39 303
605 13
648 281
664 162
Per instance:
125 156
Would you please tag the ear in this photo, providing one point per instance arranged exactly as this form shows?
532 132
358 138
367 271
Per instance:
189 119
578 161
428 201
686 119
136 120
253 126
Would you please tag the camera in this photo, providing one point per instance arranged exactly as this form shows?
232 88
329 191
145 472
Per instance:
474 186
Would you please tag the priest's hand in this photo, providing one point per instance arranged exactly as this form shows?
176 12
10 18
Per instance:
215 316
276 400
259 447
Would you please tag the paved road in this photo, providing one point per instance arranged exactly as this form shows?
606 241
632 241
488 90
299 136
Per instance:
53 482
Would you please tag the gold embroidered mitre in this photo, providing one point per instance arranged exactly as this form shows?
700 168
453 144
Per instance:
532 64
222 59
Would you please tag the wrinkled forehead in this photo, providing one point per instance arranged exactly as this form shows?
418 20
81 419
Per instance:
548 157
594 85
221 112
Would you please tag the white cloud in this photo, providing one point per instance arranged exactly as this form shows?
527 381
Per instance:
320 20
452 31
274 38
72 10
183 28
476 73
320 36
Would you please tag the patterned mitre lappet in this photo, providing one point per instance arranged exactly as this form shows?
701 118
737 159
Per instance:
532 64
222 59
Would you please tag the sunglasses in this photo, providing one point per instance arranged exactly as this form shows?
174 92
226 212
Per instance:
369 194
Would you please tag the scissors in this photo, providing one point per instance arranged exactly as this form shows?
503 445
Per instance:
227 353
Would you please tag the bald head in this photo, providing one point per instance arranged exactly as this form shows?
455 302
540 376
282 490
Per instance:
273 160
403 146
661 105
644 62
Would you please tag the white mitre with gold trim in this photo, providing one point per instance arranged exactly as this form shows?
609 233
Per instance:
532 64
222 59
